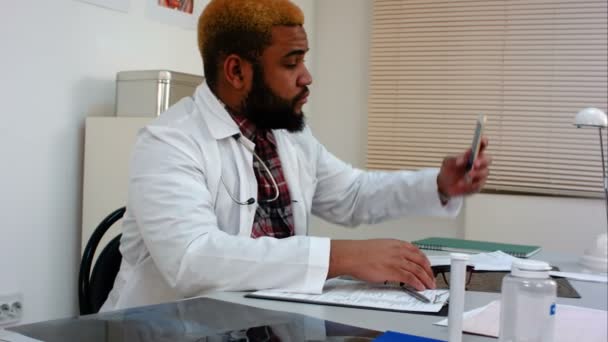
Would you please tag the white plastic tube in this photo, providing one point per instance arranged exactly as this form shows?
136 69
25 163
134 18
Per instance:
458 270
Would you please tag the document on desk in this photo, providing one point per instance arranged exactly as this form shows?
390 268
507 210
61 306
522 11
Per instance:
500 261
359 294
598 278
494 261
572 323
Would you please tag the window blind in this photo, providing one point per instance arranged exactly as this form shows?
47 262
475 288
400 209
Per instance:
530 66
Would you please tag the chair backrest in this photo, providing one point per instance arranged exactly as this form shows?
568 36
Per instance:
93 288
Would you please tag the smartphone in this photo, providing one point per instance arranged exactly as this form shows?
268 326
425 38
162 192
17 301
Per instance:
481 122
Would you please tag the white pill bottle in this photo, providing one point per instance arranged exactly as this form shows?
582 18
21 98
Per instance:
527 308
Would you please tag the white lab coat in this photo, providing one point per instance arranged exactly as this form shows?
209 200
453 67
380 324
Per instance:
184 236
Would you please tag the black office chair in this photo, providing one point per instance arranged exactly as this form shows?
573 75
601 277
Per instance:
93 291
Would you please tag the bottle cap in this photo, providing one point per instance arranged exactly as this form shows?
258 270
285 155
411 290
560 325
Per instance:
530 268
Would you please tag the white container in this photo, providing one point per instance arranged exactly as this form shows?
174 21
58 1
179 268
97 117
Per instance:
528 308
151 92
458 271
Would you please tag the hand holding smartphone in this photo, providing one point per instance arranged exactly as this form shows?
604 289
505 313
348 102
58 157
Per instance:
481 121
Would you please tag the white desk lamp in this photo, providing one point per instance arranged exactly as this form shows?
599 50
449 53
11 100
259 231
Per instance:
596 257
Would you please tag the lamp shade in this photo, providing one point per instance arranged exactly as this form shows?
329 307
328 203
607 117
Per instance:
591 117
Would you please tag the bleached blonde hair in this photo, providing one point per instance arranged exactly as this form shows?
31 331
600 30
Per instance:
241 27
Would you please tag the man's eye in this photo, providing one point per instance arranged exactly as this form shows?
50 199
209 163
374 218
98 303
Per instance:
291 63
294 64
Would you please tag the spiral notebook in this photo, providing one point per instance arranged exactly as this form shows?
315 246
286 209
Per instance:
472 246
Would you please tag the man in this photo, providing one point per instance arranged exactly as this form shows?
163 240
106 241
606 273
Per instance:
223 184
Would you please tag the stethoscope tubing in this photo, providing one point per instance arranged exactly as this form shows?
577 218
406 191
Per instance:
266 169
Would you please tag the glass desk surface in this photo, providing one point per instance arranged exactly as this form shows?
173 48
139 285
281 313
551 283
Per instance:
198 319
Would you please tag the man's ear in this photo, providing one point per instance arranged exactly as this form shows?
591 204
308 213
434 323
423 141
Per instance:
237 71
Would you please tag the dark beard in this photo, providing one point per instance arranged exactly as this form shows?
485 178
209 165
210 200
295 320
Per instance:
266 110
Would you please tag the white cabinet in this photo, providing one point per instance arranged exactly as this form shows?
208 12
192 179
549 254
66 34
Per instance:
107 151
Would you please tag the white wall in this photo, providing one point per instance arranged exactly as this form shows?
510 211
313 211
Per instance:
560 224
59 61
340 119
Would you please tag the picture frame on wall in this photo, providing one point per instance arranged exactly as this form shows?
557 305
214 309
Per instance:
181 13
186 6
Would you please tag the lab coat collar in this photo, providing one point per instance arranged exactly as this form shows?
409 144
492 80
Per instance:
220 123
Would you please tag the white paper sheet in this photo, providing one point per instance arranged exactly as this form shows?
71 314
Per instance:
494 261
439 260
500 261
572 323
361 294
598 278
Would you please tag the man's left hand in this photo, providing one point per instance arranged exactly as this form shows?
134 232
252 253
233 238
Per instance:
454 180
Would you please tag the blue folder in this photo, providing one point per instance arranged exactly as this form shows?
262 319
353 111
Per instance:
391 336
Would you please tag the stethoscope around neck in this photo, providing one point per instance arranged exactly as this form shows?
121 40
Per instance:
251 200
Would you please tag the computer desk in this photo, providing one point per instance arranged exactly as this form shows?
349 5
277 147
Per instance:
593 295
194 319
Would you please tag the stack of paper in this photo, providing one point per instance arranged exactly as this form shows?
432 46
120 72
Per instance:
597 278
363 295
495 261
572 323
500 261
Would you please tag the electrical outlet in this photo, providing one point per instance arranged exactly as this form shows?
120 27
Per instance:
11 308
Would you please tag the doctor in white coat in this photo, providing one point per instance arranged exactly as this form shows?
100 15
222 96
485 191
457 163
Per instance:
194 202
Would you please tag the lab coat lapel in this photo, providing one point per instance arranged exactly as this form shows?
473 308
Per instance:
222 127
289 163
248 186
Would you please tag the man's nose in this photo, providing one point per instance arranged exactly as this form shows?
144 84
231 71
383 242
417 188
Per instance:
305 79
